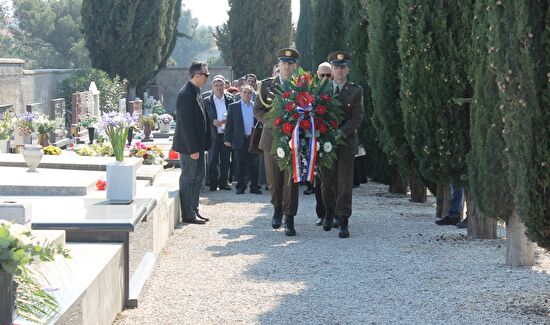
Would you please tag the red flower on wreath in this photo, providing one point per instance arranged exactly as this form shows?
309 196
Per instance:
287 128
325 97
289 107
305 124
304 99
286 94
278 121
322 127
303 80
295 116
321 110
334 124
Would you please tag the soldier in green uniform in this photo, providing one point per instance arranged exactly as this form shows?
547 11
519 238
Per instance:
337 182
284 193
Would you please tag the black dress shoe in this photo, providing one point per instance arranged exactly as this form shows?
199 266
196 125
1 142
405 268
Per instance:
240 191
256 191
276 220
309 190
289 226
328 222
201 217
336 223
462 224
448 220
213 189
344 232
319 222
225 188
196 221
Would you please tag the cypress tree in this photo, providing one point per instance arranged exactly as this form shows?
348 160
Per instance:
520 42
241 30
432 46
329 28
131 39
304 36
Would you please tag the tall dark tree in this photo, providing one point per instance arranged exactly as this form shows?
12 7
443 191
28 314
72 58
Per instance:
304 36
130 39
241 24
329 28
223 42
520 42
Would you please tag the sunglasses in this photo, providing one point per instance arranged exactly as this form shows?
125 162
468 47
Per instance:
327 75
246 92
204 74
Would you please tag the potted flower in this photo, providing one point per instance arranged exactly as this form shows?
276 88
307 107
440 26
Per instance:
43 126
151 155
6 128
164 122
148 122
19 292
121 175
89 122
23 128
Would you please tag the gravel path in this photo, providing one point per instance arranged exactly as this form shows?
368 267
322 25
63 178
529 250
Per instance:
397 267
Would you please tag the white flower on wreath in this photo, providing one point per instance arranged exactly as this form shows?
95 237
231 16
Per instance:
327 147
280 152
318 146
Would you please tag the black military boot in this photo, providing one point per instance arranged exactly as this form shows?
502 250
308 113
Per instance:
344 232
289 226
277 219
329 219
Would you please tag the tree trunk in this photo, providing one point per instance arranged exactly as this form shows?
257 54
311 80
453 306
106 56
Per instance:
419 193
443 200
479 225
398 184
519 250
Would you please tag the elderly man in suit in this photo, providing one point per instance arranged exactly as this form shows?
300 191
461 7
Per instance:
219 154
284 192
238 129
191 139
337 182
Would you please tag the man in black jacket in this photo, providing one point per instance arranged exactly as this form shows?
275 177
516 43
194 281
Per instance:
191 139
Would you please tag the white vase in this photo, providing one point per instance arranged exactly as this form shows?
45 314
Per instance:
4 146
164 127
121 181
33 154
21 139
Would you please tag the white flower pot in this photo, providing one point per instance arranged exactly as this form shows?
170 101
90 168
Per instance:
164 127
21 139
32 153
121 181
4 146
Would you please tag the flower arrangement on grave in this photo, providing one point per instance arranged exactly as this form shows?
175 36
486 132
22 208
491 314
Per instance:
101 149
165 118
148 120
44 125
6 126
305 118
23 123
17 254
52 150
151 155
116 126
88 121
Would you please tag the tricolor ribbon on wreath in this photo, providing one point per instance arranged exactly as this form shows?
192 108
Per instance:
304 169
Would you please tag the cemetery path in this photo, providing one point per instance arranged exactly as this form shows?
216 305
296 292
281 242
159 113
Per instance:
397 267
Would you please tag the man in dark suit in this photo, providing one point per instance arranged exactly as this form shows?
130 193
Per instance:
238 129
219 154
192 138
284 192
337 182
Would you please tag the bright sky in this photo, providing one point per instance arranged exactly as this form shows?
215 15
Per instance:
214 12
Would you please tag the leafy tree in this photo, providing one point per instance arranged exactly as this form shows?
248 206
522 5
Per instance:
223 42
196 40
130 39
304 36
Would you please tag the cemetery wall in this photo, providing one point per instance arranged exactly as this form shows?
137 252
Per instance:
170 81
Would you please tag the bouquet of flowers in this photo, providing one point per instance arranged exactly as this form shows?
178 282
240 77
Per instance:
165 118
52 150
96 150
149 120
24 123
88 121
116 126
151 155
305 118
43 125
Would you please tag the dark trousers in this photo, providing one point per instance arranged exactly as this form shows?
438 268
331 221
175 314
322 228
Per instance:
246 167
218 163
319 205
191 177
337 183
284 192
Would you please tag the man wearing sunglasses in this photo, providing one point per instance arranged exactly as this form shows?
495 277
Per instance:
191 139
284 192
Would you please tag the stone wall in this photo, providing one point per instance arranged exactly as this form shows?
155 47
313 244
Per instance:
171 80
19 87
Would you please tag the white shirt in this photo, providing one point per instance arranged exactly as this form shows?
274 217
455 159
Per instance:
340 86
248 117
221 111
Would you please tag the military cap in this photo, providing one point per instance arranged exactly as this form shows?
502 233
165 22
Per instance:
288 55
339 58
